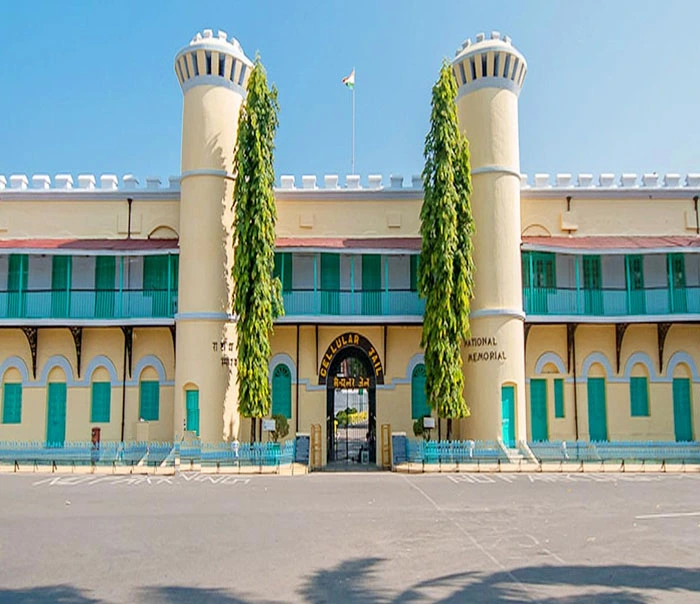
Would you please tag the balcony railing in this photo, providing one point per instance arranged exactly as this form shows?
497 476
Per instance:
361 303
610 302
88 304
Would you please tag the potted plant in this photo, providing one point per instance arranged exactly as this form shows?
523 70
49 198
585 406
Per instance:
281 428
419 429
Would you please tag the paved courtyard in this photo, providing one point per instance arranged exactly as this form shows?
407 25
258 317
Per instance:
350 538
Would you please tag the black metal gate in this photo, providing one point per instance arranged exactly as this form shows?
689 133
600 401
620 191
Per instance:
351 425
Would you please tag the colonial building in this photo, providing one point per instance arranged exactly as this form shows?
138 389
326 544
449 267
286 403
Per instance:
115 294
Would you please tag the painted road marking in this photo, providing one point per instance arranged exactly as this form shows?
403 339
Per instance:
553 478
91 480
669 515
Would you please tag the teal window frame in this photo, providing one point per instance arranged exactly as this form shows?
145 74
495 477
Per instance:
149 400
282 391
419 397
559 408
639 396
283 270
11 403
192 411
101 402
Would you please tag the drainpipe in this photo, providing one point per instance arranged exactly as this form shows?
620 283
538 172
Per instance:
296 411
573 351
129 200
123 390
697 219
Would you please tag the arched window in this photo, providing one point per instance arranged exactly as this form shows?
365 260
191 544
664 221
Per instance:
12 403
149 400
639 392
282 391
419 402
101 396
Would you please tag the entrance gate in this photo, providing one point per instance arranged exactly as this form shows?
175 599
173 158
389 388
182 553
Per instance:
351 370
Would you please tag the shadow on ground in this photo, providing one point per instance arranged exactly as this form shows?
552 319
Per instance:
356 581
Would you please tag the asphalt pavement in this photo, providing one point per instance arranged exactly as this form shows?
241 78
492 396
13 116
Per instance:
366 537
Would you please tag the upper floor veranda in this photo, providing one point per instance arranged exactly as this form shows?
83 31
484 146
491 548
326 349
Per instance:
609 249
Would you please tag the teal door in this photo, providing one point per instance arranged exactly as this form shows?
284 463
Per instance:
56 415
538 410
105 271
682 422
371 284
60 286
592 285
508 415
282 391
17 273
635 284
679 301
597 417
192 406
330 284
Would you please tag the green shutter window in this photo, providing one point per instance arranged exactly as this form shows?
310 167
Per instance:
149 400
60 285
282 391
371 284
100 404
558 398
635 284
174 260
12 403
283 270
105 271
17 275
155 273
525 268
679 301
639 397
415 261
419 398
192 408
538 410
592 285
330 284
545 274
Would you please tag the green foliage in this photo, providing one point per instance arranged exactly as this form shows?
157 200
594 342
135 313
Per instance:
256 293
281 427
344 416
446 266
420 430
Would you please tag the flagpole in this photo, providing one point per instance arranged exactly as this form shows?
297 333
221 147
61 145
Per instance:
352 171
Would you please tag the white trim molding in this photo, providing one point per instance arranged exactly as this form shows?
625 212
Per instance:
554 359
515 313
641 358
677 358
207 172
57 360
496 169
597 357
282 358
15 362
101 361
149 360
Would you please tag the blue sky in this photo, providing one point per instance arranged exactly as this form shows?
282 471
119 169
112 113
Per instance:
89 86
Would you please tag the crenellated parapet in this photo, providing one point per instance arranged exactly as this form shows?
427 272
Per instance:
544 181
353 182
490 62
85 183
213 60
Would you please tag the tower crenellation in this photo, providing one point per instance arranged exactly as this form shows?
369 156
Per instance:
213 59
490 61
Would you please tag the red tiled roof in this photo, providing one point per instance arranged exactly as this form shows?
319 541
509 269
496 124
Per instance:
376 243
613 243
121 245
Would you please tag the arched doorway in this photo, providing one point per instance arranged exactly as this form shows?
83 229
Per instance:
351 370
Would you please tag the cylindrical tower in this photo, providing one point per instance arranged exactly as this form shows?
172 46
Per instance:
490 75
213 72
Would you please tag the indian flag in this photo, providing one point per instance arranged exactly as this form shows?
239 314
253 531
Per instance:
350 80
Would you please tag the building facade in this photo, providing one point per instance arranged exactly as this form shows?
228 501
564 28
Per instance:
115 295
